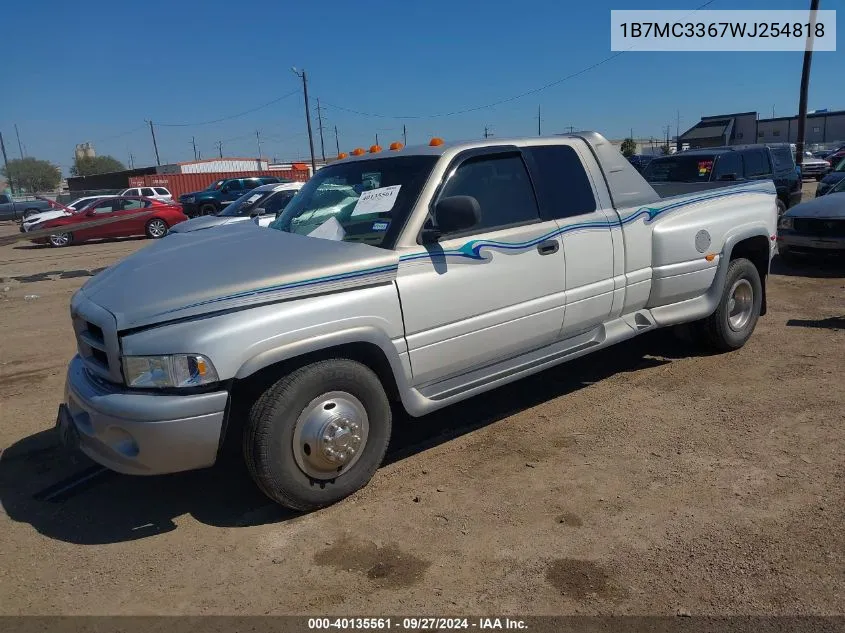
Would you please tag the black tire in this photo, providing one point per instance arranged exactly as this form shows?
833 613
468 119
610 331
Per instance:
152 229
55 240
717 331
29 212
268 440
208 208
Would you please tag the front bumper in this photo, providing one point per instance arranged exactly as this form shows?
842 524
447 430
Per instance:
139 433
788 240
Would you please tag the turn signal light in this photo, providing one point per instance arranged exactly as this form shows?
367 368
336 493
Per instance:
342 155
435 142
396 145
375 148
358 151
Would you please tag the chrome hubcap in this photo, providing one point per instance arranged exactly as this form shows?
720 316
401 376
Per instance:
60 239
157 228
330 435
740 304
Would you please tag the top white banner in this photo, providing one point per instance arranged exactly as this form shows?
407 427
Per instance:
679 30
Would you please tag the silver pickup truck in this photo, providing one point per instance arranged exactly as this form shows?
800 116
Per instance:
413 278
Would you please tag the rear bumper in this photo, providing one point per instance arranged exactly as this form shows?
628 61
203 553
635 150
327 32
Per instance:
138 433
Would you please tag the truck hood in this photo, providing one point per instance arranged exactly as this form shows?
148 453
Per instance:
205 222
189 274
831 206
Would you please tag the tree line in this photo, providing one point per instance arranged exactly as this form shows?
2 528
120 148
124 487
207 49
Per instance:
32 175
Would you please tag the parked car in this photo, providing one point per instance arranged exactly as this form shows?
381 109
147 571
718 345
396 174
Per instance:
262 204
11 210
467 267
815 227
812 167
832 179
639 161
702 169
154 193
57 211
128 215
220 193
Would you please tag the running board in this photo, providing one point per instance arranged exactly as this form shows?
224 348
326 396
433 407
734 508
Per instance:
438 394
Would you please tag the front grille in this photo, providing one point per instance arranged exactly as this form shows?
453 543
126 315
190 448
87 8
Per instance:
96 341
819 227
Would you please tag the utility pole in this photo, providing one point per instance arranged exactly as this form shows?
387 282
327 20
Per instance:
20 147
6 164
376 138
571 129
336 140
320 124
487 133
131 161
220 148
773 111
307 116
155 145
678 130
258 139
404 135
805 83
194 143
539 132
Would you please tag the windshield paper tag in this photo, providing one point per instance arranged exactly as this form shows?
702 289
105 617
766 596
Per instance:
380 226
254 197
704 167
331 229
376 200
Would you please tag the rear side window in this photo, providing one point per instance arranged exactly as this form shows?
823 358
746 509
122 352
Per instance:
269 180
251 183
235 185
147 191
728 166
681 168
502 188
756 163
783 159
4 199
161 191
563 187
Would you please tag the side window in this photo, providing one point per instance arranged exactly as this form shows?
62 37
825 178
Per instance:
251 183
161 191
235 185
728 163
107 206
4 199
502 188
133 205
277 202
563 187
783 159
756 163
147 192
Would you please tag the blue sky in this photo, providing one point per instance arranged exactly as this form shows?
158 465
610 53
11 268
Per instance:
95 70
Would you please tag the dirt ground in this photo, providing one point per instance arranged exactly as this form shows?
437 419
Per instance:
645 479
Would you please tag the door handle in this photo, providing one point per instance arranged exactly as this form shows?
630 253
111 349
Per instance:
548 247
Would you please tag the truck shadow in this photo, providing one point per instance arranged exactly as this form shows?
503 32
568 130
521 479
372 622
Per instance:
67 497
813 267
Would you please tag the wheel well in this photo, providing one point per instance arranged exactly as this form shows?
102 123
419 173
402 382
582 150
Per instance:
756 250
245 391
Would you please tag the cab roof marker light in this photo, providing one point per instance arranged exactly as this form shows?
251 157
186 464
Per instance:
375 149
342 155
435 142
358 151
396 145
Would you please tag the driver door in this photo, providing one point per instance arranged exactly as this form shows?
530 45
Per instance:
489 293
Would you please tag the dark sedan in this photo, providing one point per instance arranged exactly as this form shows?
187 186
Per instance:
815 227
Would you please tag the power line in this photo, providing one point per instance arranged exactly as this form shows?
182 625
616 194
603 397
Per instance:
500 101
231 116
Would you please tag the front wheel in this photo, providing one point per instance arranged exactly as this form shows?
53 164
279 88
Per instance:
156 228
208 208
734 319
318 434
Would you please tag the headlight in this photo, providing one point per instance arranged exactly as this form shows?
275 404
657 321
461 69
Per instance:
189 199
178 370
785 223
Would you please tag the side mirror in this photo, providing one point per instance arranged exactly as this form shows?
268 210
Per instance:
727 177
453 214
224 189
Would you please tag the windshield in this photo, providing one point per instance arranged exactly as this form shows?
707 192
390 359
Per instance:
694 168
840 166
358 201
215 185
245 204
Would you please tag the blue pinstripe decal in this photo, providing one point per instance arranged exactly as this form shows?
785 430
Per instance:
472 249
